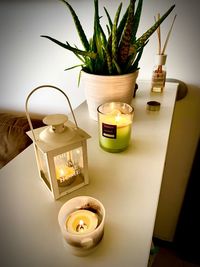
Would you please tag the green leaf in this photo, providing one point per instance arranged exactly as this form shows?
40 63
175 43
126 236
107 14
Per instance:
140 42
119 71
108 29
79 28
126 37
97 39
136 20
114 33
109 19
75 50
79 78
106 50
136 61
122 24
81 58
73 67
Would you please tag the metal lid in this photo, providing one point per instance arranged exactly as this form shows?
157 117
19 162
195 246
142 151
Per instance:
57 131
55 119
153 105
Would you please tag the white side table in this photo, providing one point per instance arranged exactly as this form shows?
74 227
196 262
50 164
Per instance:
127 183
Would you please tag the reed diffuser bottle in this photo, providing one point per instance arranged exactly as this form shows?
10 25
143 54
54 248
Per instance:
159 69
159 74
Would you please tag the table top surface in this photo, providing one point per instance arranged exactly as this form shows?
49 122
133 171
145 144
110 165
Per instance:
127 183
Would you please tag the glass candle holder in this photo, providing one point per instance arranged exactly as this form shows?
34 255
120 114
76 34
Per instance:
115 124
81 221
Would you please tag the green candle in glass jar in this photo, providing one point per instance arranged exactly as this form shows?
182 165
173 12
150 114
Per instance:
115 124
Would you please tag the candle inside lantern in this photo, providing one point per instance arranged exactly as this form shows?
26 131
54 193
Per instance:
115 123
66 168
81 222
64 173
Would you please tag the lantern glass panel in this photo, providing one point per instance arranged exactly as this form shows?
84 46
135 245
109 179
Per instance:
69 167
43 166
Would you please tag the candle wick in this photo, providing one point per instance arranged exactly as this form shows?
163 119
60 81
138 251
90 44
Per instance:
81 226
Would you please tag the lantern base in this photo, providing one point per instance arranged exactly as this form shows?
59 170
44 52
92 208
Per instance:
67 182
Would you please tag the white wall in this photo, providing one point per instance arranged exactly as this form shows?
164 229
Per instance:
27 61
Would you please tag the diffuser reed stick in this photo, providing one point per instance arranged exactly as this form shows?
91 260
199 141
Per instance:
159 72
162 51
168 35
159 35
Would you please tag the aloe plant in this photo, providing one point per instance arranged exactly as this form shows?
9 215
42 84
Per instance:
117 52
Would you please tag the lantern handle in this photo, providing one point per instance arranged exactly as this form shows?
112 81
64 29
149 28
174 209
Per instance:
26 106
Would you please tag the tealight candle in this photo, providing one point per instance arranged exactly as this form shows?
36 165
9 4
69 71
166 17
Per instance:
115 123
65 175
81 222
65 169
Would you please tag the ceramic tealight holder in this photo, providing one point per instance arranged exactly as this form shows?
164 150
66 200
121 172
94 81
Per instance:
81 220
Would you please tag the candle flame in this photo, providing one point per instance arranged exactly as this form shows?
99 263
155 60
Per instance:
81 222
117 118
62 172
81 227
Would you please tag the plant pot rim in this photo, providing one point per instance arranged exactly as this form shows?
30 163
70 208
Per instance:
107 76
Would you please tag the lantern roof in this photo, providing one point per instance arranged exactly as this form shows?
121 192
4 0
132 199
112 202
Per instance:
46 140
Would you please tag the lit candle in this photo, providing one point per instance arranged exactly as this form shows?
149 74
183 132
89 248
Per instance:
64 168
64 173
81 227
115 123
81 222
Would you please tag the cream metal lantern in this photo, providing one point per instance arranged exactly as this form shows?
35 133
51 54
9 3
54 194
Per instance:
61 151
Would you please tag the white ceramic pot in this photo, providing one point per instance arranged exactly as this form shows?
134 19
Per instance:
100 89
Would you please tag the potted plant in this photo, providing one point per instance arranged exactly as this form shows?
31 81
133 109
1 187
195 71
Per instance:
110 60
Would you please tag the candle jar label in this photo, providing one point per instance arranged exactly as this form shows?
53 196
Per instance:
109 131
